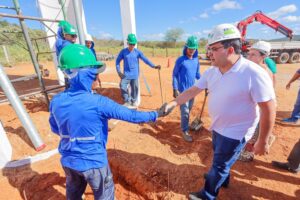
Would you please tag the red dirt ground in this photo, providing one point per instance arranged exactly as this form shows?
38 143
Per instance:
149 161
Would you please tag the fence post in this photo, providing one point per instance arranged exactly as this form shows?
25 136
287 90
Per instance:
167 54
153 51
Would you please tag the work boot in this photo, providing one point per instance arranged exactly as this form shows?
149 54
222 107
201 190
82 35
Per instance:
135 104
195 196
284 165
224 185
128 105
186 136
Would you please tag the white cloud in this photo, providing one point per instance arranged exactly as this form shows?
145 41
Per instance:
291 18
198 34
104 35
283 11
226 4
206 31
155 36
203 15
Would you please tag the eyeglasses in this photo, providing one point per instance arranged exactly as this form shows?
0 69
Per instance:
74 36
131 44
214 49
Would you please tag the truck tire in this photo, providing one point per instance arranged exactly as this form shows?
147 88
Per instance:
294 58
283 58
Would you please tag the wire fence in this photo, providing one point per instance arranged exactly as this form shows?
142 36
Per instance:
16 54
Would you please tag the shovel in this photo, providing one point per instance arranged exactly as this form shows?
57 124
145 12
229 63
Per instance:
197 122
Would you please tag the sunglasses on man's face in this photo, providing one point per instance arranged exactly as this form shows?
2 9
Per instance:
73 36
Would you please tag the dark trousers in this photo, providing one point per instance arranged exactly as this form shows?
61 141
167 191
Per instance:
294 157
226 152
100 180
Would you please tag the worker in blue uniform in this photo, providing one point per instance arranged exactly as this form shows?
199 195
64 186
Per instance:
80 118
185 72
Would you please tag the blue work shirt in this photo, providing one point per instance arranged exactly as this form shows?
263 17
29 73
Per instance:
185 71
60 42
131 62
80 118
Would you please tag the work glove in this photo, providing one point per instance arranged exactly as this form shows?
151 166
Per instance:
157 67
175 93
164 110
121 75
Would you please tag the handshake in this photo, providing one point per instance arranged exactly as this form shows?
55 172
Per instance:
165 109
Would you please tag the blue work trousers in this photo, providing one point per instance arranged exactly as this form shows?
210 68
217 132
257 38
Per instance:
226 152
296 111
185 110
100 180
134 87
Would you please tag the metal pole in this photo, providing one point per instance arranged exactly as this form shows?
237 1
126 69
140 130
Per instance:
22 114
6 54
79 22
31 51
27 17
161 93
62 4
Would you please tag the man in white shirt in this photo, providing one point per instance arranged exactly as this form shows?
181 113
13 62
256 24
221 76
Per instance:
240 95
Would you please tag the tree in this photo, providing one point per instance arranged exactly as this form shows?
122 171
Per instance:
173 35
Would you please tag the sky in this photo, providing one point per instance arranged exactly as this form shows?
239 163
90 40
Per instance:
196 17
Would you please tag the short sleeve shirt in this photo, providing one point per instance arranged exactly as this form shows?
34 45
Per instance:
233 97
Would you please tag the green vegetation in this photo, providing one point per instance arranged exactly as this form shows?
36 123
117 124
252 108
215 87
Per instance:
12 38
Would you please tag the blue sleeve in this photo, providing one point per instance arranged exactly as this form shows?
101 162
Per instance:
176 73
146 60
110 109
198 71
119 58
52 122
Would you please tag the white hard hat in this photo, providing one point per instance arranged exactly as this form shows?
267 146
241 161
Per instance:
262 46
223 32
88 37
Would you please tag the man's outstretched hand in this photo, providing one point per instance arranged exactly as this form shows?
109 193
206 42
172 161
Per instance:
165 109
157 67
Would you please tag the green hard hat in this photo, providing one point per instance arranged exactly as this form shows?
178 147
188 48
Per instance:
76 56
62 23
131 38
68 28
192 42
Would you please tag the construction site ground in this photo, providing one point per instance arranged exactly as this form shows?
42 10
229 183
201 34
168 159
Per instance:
151 160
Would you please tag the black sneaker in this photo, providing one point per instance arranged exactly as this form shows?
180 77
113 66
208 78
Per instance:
224 185
283 165
186 136
195 196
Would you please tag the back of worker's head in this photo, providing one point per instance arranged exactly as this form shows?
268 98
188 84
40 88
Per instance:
228 35
263 47
76 57
80 66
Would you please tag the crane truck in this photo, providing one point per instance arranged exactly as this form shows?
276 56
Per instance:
281 52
